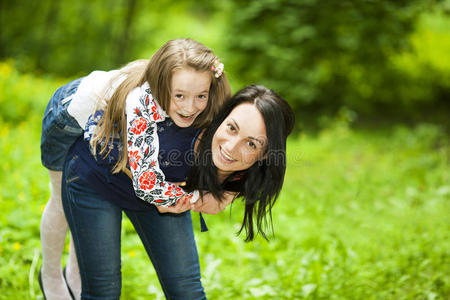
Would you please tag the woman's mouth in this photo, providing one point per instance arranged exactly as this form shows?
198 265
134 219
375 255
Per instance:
225 156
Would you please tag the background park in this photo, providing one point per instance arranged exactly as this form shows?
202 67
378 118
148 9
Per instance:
364 212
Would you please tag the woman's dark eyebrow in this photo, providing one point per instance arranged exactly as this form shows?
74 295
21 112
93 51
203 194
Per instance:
259 141
235 123
250 137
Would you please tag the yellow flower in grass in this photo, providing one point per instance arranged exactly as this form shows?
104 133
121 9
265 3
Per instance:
17 246
5 69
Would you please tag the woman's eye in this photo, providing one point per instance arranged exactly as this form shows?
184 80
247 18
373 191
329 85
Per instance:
203 97
231 127
179 96
252 145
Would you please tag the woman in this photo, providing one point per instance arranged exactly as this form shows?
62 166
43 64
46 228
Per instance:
244 151
246 155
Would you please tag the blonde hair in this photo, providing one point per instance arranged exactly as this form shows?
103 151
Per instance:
172 56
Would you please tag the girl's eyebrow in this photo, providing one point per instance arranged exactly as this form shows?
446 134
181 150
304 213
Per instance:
183 91
250 137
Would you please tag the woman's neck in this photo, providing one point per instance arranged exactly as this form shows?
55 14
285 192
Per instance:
222 175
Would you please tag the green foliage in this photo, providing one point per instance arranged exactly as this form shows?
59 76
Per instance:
72 38
23 96
386 59
362 215
322 55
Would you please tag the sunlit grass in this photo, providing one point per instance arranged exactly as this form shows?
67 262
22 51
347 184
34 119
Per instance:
362 215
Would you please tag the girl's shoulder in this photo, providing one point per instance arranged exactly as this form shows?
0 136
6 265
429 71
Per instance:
142 98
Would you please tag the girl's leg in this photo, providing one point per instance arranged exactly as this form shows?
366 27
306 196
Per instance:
73 278
170 244
95 224
53 236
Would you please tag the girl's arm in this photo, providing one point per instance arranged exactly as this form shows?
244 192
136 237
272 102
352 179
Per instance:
210 205
143 147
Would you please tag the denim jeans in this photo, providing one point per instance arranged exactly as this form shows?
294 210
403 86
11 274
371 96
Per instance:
59 129
95 224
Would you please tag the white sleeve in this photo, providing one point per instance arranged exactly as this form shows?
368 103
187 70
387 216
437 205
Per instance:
96 86
143 147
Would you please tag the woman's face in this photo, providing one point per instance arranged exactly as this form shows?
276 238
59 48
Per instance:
188 95
240 140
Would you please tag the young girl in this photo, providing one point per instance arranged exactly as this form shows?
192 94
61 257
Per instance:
188 82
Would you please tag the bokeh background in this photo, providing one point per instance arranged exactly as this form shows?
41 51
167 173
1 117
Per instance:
364 212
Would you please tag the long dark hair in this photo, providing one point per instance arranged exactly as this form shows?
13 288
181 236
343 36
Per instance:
260 185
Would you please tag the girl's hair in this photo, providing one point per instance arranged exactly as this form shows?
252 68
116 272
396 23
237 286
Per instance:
158 71
262 182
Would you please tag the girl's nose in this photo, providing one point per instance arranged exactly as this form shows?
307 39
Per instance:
189 106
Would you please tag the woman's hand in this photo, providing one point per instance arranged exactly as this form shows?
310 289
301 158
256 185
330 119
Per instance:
211 205
182 205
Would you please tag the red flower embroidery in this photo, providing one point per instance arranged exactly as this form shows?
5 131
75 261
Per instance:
147 180
155 112
138 126
133 157
174 191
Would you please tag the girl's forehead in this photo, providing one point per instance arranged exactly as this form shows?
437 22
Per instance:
190 80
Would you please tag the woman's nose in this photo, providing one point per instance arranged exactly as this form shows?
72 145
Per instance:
231 145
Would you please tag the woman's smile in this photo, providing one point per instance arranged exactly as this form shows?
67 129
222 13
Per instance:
226 157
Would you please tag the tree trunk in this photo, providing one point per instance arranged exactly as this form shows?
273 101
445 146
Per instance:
124 39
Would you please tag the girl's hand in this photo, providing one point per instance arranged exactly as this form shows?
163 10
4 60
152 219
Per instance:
211 205
181 206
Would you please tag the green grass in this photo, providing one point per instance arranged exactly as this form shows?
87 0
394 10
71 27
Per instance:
362 215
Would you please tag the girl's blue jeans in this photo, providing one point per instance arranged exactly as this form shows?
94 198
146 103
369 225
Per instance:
59 129
95 224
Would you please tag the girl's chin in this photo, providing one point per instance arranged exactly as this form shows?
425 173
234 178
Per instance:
183 122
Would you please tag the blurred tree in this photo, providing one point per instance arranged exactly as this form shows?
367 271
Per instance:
323 55
73 37
124 41
67 37
352 58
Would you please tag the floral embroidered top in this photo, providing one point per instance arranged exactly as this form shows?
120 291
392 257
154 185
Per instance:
143 115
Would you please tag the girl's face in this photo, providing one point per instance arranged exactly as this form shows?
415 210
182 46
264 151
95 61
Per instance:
240 140
188 95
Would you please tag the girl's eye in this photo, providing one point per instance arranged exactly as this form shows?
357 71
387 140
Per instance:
203 97
179 96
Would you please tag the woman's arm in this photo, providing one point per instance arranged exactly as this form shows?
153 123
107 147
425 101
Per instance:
143 147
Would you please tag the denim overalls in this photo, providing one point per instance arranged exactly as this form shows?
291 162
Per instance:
59 129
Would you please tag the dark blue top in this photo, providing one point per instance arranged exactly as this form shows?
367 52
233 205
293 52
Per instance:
175 159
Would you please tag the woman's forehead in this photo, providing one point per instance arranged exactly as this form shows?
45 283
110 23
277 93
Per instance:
249 120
